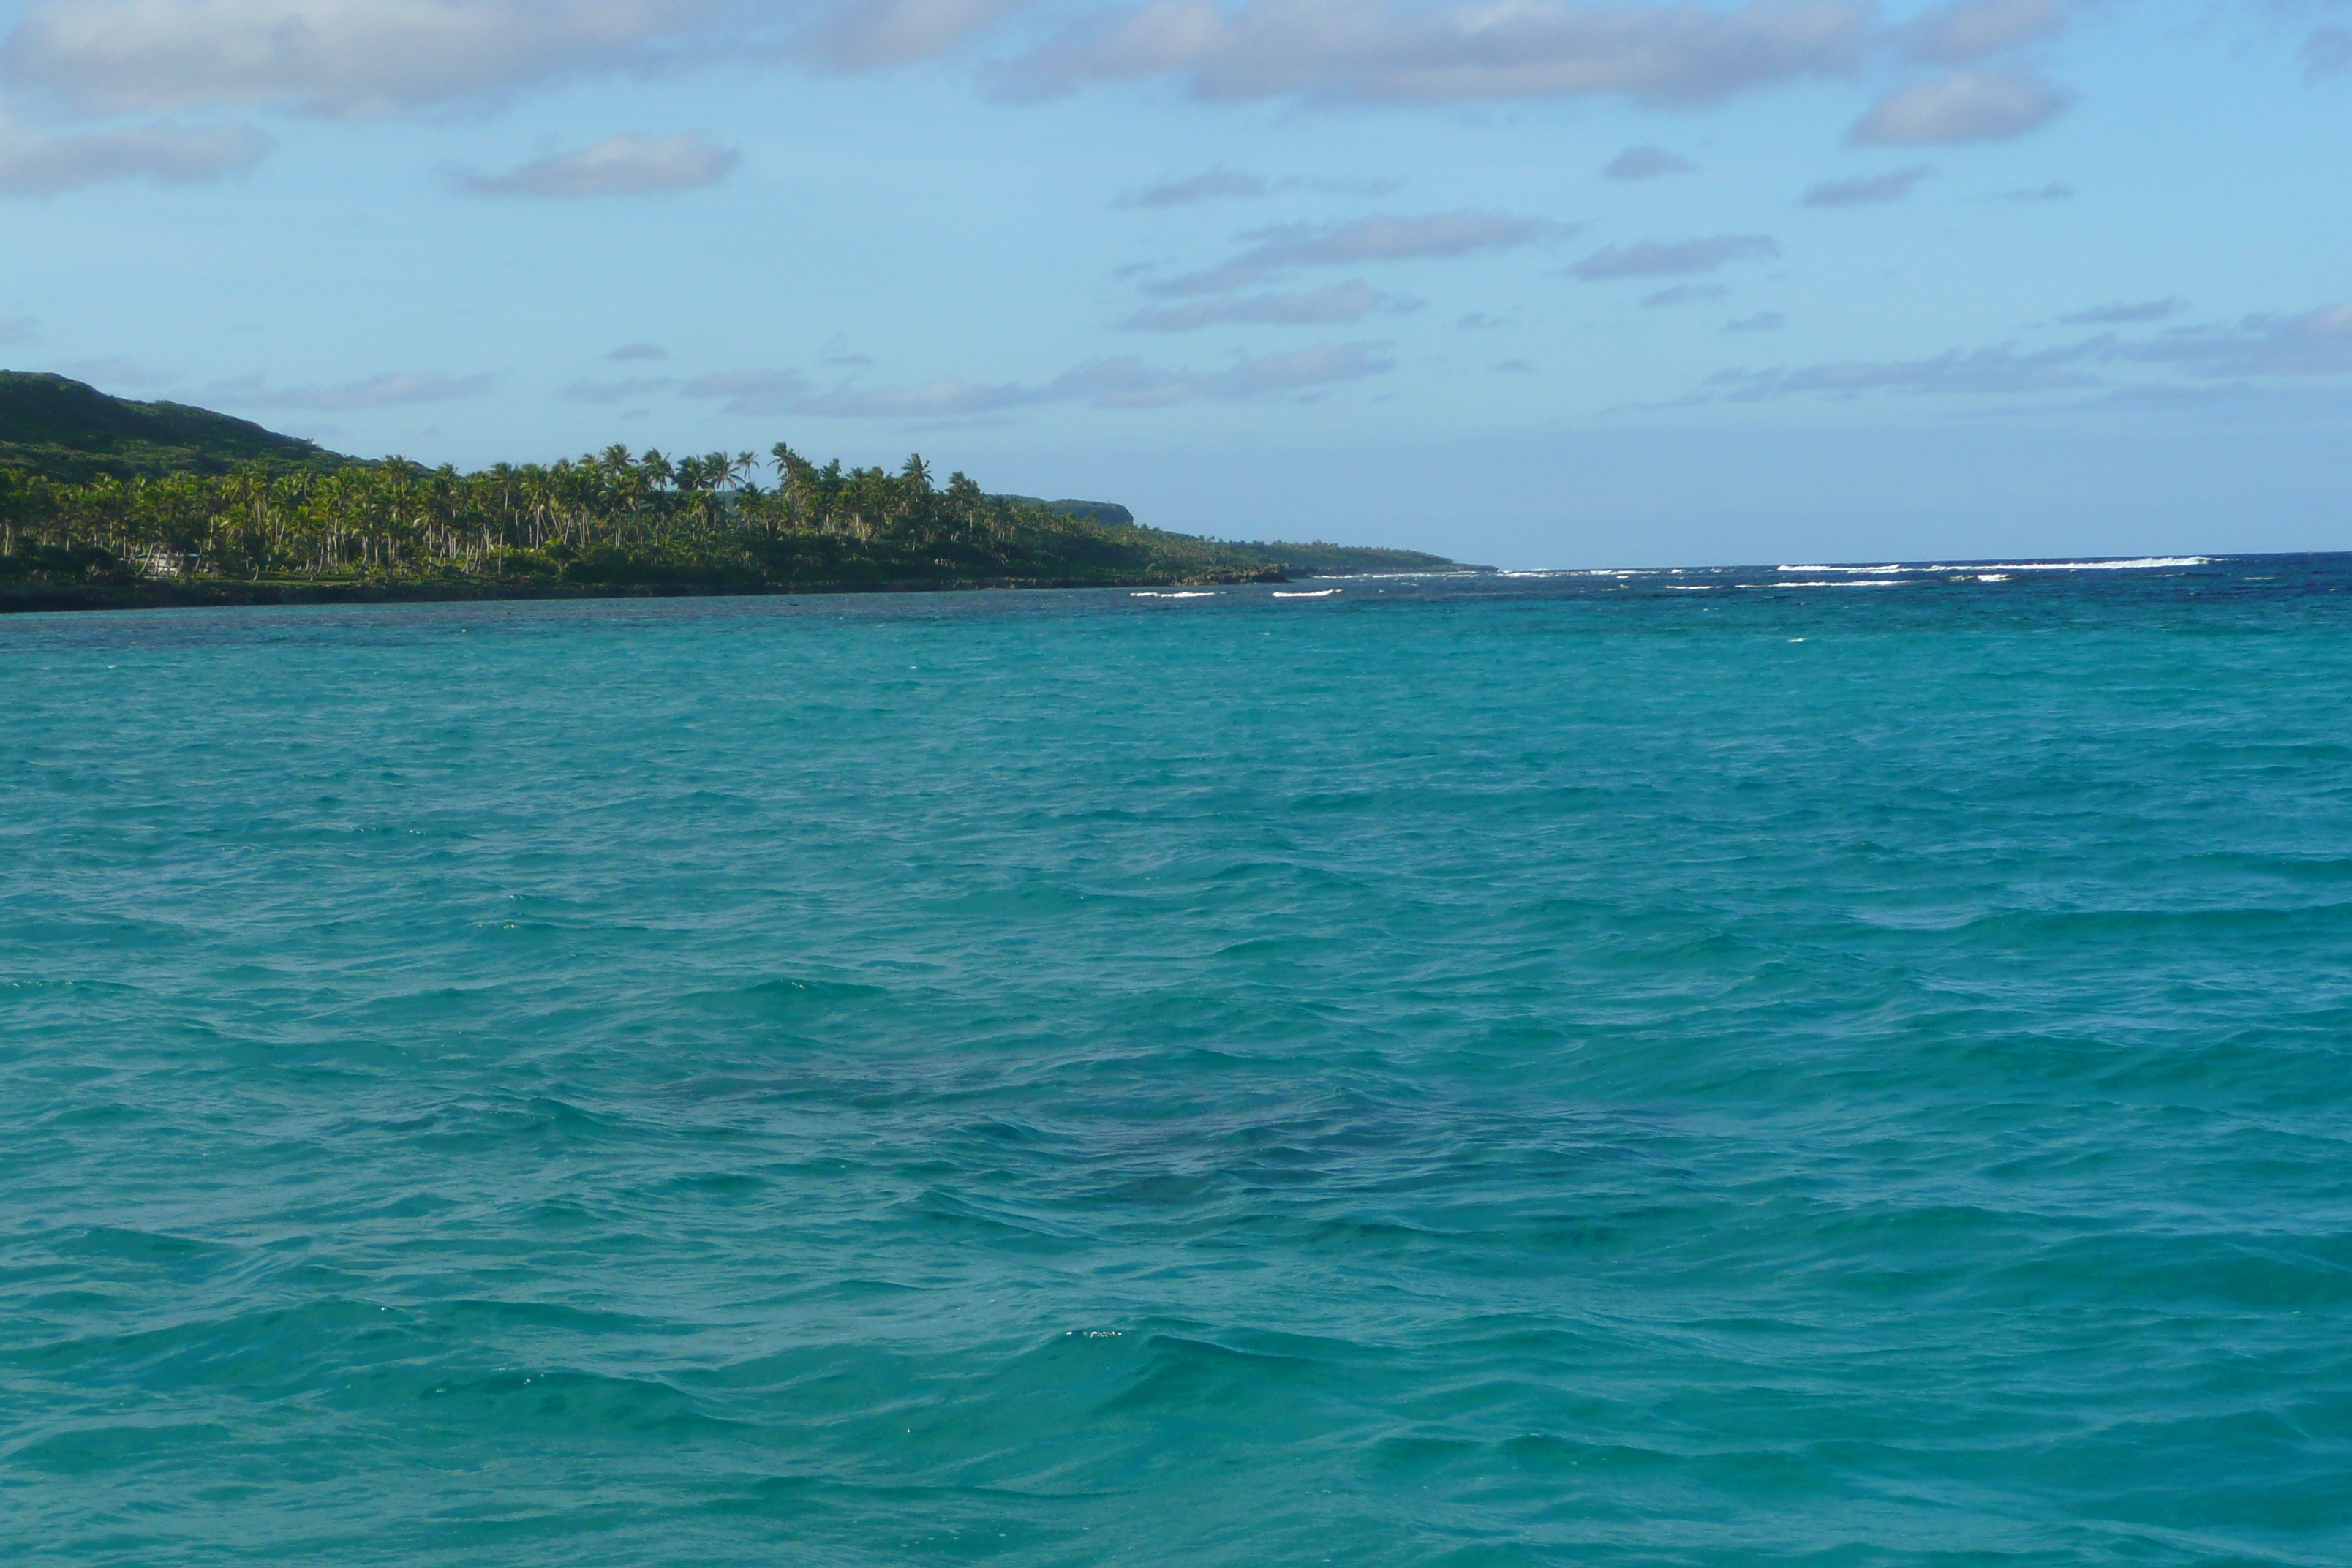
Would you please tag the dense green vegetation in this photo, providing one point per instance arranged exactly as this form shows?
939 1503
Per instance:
285 519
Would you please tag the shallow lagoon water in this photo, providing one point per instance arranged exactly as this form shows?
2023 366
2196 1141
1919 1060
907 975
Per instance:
1654 1069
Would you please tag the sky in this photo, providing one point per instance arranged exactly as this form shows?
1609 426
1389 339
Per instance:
1527 282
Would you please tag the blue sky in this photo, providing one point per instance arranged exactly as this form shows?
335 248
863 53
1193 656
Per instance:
1541 282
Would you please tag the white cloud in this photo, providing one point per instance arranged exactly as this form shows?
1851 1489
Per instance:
387 390
1367 50
327 57
618 166
1382 237
1867 190
1334 304
1671 258
1126 383
1646 164
1967 31
1970 106
33 163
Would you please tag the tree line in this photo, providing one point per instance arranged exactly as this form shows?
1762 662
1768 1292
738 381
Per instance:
605 516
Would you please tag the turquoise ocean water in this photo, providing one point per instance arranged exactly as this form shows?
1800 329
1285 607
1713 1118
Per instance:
1739 1067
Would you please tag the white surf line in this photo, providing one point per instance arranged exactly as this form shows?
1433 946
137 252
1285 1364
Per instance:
2139 562
2143 563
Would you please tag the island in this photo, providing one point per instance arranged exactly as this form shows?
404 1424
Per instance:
110 503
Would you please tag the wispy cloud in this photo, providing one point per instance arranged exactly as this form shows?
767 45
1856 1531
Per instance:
1373 51
129 374
1867 190
627 353
2302 346
328 56
1213 185
2307 344
617 166
1973 106
2121 314
1124 383
2327 52
1761 322
389 389
37 164
1232 184
2055 191
1967 31
1381 237
869 34
1676 257
1646 163
1336 304
16 329
1684 294
1979 373
627 390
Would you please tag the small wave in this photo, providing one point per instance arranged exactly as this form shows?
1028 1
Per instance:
1881 582
1308 593
1818 569
1148 593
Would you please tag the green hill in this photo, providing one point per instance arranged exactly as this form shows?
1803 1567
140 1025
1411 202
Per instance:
65 431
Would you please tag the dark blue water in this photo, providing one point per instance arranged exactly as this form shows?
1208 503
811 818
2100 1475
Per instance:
1670 1068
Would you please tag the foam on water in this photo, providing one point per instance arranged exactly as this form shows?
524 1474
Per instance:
1544 1070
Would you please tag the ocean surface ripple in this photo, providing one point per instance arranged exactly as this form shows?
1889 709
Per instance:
1645 1068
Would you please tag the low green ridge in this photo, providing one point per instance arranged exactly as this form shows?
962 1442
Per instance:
106 501
1322 560
69 432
